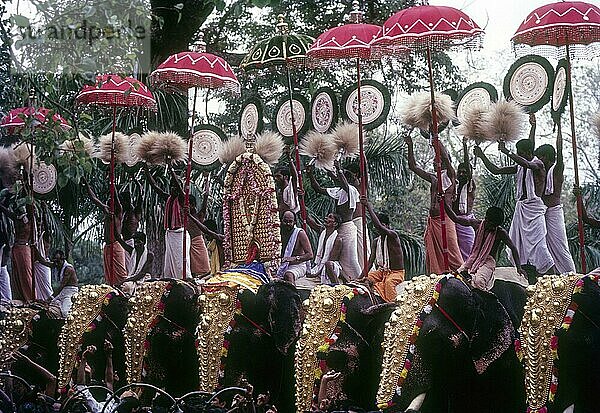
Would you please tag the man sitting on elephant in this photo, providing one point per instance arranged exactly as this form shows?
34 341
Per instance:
488 238
296 253
387 256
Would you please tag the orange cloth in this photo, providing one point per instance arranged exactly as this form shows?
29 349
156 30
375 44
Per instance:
385 282
21 278
434 252
199 261
119 269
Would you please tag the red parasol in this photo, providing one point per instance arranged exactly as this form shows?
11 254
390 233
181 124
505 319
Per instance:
427 28
570 30
193 69
112 90
16 118
351 41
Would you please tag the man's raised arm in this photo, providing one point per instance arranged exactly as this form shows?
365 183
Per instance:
506 170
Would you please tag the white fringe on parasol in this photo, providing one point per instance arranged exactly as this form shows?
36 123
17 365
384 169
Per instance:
269 146
345 137
22 153
596 124
416 112
320 147
231 149
121 148
505 121
474 123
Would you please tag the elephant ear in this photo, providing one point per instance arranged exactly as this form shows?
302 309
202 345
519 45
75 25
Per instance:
283 303
493 332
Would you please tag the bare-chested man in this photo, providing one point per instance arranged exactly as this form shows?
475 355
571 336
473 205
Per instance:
481 263
528 227
387 256
296 250
60 305
327 268
347 205
286 184
21 256
434 250
463 203
556 236
199 259
115 269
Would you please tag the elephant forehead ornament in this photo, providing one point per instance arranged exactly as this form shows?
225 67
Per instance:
548 308
147 305
250 212
219 304
323 315
87 306
401 331
14 332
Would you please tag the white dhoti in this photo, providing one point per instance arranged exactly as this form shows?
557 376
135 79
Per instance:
483 277
297 270
43 281
62 302
5 293
129 258
349 256
556 238
359 242
173 265
528 233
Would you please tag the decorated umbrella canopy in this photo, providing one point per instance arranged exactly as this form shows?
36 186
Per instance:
284 49
569 30
115 91
17 118
193 69
351 41
429 28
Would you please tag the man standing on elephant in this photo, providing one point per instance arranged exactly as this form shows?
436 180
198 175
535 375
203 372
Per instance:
490 235
132 214
463 203
296 250
556 236
114 254
387 256
347 206
528 227
434 251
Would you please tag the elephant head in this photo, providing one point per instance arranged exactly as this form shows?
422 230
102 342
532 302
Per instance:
461 359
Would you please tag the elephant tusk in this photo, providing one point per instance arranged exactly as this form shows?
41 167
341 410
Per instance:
417 402
570 409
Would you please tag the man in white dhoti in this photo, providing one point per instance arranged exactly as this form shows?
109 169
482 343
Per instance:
327 268
528 227
347 207
174 231
286 182
556 236
60 305
5 293
41 272
463 202
139 262
297 252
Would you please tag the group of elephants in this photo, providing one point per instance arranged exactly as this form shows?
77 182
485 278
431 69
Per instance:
459 354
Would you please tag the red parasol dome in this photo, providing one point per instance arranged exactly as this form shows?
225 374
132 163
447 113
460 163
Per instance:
186 70
422 27
15 119
554 25
345 42
113 90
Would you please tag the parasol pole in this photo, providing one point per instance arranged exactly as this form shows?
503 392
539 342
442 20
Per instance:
438 161
575 165
32 236
363 172
300 188
188 172
112 196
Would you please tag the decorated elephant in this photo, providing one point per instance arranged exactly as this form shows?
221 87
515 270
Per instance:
559 342
248 335
159 336
337 357
449 348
